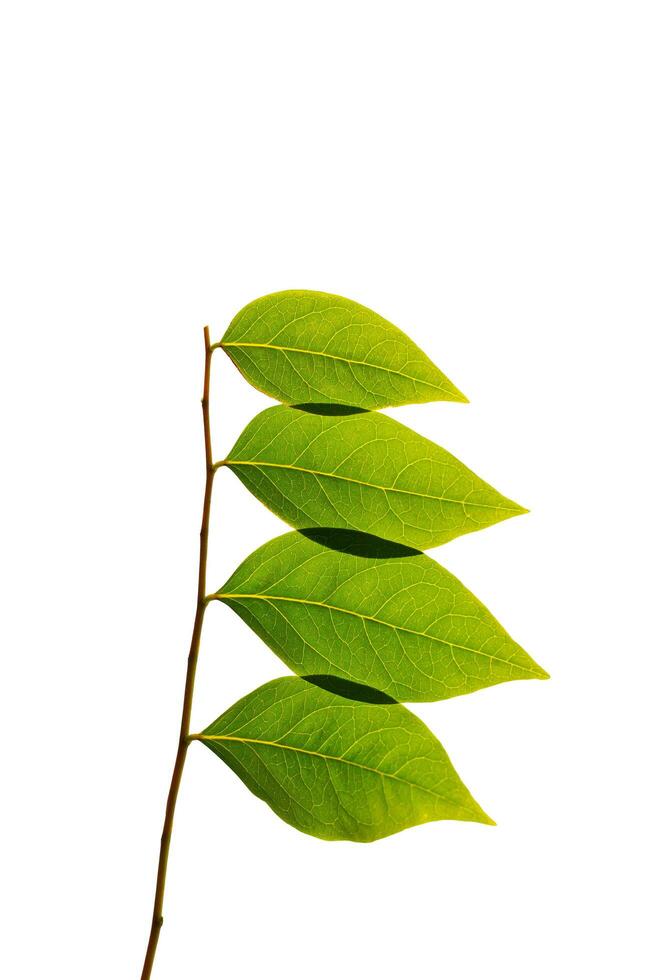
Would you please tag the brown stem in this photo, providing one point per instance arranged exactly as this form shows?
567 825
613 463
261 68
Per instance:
180 758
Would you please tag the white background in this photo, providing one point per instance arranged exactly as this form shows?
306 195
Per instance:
478 173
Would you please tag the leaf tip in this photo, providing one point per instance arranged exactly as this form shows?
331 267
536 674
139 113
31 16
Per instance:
482 817
477 815
449 392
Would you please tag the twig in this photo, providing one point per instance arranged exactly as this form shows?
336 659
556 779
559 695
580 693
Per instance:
180 758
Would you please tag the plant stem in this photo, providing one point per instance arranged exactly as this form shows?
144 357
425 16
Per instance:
180 758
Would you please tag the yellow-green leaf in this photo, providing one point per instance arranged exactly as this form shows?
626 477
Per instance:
338 602
337 767
302 346
363 472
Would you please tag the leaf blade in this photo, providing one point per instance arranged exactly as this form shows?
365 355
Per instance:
303 346
337 768
402 624
363 472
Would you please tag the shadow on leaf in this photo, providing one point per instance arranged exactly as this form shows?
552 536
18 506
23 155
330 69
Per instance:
327 409
357 543
349 689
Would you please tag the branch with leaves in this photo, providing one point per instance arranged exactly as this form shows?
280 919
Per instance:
347 601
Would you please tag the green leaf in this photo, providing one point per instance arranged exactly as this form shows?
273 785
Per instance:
373 613
339 768
305 347
363 472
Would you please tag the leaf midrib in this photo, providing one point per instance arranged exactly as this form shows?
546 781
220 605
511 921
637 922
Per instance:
337 357
371 619
375 486
329 758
